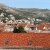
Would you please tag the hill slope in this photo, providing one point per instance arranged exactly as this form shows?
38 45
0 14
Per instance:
24 12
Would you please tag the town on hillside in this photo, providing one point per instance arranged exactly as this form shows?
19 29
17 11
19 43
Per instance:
23 25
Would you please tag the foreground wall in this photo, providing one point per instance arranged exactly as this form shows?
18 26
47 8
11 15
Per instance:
22 40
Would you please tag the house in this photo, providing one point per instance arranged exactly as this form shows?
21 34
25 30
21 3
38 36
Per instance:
2 15
43 26
2 26
29 28
22 21
8 28
21 24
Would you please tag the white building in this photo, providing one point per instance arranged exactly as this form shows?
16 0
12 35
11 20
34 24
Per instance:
8 28
2 15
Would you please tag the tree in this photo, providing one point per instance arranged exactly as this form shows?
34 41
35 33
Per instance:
15 30
21 29
18 30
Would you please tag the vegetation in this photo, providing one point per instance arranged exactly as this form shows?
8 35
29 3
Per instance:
18 30
46 19
18 17
25 13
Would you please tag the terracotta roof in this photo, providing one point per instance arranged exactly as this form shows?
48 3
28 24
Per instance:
25 24
42 25
21 24
30 25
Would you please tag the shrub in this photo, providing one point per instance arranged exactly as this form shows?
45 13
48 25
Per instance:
18 30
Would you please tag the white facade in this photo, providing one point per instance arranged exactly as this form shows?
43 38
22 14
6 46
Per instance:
8 28
2 14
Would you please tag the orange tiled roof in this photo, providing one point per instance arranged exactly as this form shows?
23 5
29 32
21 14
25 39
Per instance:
24 39
42 25
21 24
24 24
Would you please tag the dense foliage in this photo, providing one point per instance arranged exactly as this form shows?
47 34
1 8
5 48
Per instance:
18 30
46 19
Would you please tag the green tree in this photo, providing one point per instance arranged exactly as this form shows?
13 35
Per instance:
18 30
15 30
21 29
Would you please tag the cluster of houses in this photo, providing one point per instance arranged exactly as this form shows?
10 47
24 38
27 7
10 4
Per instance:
28 25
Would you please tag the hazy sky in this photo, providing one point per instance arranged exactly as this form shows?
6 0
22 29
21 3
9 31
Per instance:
27 3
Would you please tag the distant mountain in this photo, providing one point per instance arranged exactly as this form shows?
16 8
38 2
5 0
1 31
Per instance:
24 12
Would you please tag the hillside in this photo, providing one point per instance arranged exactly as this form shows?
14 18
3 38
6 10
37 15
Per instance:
20 13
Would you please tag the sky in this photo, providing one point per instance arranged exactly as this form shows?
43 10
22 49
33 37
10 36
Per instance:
45 4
